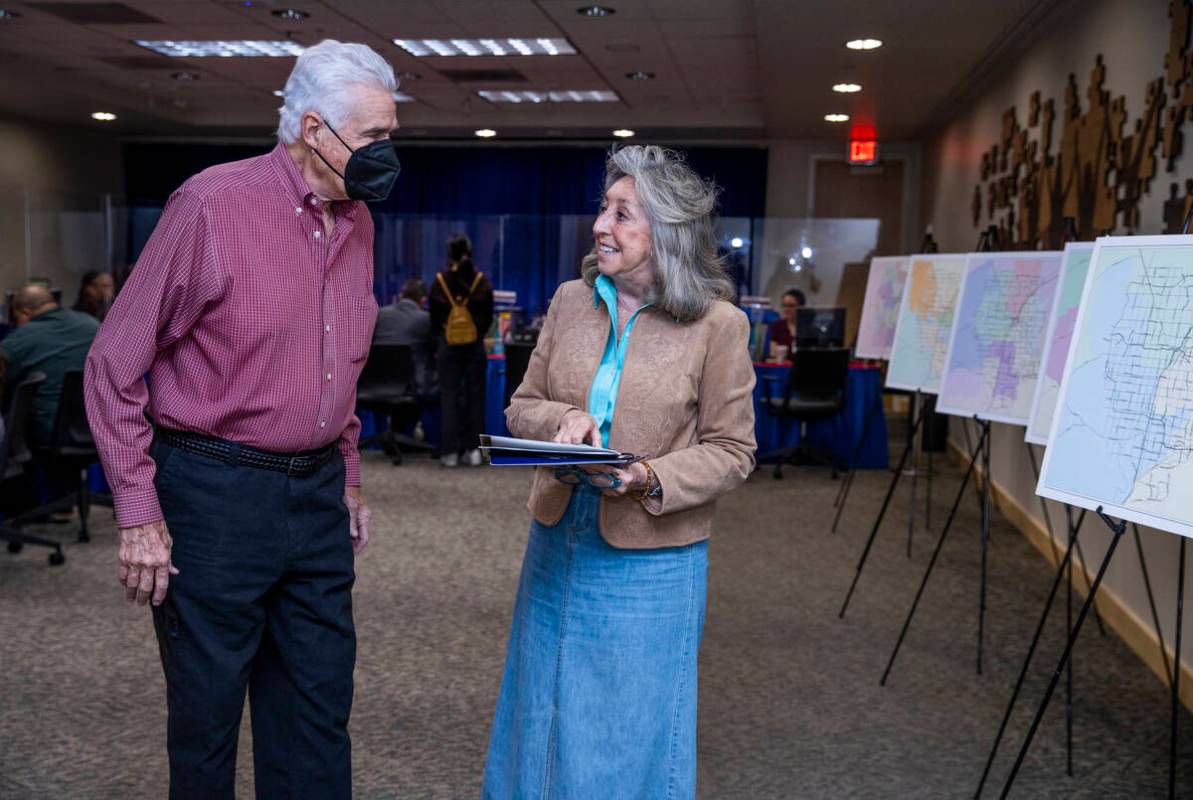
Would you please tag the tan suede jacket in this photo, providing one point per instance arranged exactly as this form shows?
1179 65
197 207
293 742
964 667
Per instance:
685 398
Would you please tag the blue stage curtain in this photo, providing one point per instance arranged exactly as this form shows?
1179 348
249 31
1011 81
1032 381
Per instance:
509 200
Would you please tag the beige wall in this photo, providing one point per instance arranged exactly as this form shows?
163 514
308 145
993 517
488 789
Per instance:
1132 35
55 217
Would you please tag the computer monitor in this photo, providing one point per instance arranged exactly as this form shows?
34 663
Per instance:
820 327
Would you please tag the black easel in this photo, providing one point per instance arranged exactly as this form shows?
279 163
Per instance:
917 414
927 245
983 452
1117 528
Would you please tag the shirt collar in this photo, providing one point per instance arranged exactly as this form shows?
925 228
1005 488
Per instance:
300 192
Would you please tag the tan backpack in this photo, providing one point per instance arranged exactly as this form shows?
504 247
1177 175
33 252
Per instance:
460 327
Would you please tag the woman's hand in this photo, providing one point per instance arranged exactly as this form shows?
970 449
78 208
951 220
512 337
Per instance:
578 428
633 479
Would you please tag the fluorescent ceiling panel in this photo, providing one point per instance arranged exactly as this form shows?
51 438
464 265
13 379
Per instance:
486 47
223 48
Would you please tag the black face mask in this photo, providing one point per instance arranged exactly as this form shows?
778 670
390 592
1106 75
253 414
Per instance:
371 170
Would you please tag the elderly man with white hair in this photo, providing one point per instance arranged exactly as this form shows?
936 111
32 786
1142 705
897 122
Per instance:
235 471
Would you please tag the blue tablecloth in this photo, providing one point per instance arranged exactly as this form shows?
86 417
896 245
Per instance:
838 435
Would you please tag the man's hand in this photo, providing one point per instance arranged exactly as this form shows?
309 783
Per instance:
578 428
358 518
143 563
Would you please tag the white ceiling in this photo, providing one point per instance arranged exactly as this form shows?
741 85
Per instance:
725 69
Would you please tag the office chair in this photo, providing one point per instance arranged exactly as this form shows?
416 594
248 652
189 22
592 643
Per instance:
16 455
517 359
815 390
387 386
71 452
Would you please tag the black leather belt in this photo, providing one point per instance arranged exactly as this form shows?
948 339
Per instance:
299 465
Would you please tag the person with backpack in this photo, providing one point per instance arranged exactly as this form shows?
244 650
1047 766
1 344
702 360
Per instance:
461 314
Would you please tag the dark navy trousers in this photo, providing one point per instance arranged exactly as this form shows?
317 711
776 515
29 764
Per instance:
263 602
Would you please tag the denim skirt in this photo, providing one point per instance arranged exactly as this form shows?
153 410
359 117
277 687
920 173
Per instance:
598 696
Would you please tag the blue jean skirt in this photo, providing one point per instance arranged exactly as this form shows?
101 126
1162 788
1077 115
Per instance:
598 697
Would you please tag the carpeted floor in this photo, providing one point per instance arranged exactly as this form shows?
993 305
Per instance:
790 705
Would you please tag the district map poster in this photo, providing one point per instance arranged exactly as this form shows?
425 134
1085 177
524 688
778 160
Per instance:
1122 434
994 353
925 322
880 310
1060 334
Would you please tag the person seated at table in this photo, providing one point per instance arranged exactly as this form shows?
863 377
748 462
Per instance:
782 330
406 322
47 339
96 292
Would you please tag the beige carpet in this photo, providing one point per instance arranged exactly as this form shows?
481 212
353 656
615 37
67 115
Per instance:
789 701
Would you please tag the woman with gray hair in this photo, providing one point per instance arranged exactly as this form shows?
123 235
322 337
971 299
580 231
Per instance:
598 697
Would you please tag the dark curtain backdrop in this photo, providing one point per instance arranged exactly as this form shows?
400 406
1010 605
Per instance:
528 210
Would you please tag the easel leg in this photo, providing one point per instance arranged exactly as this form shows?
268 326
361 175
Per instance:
847 484
1151 601
1031 651
915 475
1035 471
1118 529
881 513
985 536
1176 673
973 461
1069 666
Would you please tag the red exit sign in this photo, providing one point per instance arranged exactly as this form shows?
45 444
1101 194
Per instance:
863 151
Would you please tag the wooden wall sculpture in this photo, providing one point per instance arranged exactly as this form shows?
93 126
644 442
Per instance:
1096 173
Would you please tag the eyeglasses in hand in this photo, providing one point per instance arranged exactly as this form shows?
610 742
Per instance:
574 476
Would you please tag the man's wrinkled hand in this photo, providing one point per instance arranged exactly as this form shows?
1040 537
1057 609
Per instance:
358 518
143 563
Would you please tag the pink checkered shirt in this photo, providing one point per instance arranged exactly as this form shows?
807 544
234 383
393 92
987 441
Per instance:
252 323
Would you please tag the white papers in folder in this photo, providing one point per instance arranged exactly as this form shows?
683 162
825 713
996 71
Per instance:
506 451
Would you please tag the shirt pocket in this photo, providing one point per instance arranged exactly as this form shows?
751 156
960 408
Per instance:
361 315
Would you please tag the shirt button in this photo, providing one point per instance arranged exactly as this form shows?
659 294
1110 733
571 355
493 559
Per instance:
327 329
314 201
322 423
329 376
298 210
318 234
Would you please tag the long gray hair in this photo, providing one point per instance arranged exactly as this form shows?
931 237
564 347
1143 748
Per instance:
689 275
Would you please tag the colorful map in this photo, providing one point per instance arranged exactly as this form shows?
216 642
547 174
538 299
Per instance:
1122 434
994 354
880 311
925 322
1060 334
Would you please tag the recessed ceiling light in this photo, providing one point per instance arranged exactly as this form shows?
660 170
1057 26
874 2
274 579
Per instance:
640 76
486 133
223 48
836 118
596 11
278 93
291 14
6 15
486 47
623 133
864 44
184 76
563 96
806 252
103 116
846 88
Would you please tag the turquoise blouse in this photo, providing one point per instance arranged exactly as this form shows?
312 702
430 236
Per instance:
602 397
